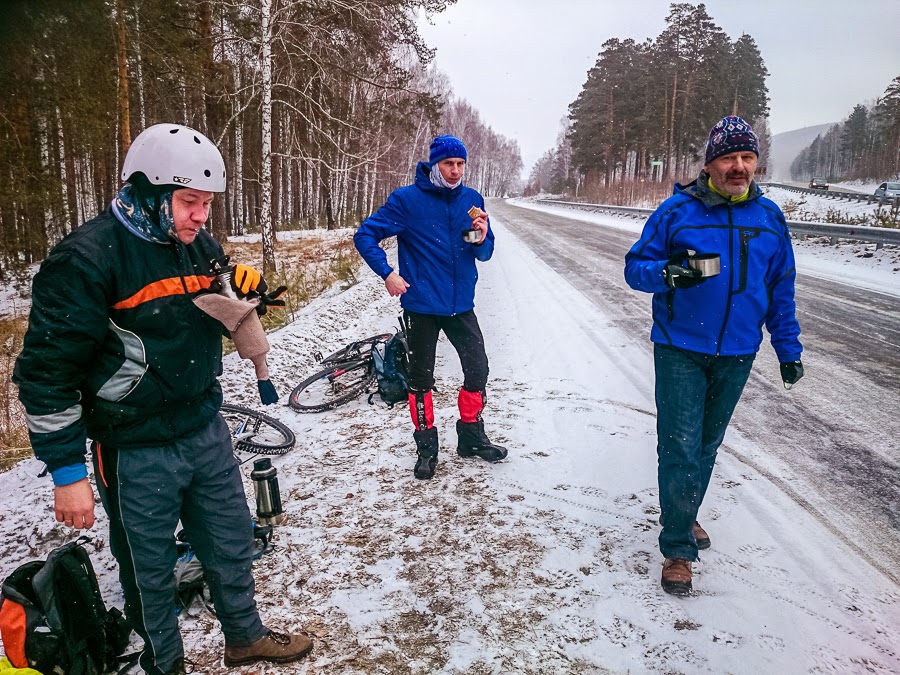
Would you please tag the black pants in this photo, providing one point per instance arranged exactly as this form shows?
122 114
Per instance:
462 330
145 492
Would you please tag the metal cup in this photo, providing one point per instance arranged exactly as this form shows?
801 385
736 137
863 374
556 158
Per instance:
708 264
472 236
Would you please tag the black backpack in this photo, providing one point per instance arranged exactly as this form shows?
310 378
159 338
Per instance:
52 616
391 361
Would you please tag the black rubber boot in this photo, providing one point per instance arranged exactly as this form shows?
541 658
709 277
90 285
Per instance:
427 447
473 442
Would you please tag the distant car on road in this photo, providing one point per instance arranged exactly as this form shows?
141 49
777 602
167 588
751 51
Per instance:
888 190
818 184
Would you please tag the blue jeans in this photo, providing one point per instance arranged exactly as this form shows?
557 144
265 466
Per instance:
695 397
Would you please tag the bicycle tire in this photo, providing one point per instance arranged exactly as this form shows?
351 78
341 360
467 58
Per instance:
332 386
269 436
354 350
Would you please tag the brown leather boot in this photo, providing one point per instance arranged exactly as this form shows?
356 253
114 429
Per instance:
676 576
273 647
702 538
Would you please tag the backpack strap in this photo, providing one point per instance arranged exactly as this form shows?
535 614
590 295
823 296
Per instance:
45 588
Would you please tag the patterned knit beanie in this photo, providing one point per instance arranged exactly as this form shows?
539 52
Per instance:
443 147
731 134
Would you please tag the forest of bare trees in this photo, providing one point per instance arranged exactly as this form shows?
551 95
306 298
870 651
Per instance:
645 110
320 109
865 146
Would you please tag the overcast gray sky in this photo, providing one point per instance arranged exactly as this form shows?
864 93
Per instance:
521 62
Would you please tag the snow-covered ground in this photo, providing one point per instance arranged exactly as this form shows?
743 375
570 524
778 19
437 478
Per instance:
546 562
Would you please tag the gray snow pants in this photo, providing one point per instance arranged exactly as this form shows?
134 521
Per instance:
145 492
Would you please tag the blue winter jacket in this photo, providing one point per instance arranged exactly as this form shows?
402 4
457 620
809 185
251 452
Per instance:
435 261
723 315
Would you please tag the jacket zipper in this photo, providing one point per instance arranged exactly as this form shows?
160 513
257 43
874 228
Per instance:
179 250
746 235
452 256
730 277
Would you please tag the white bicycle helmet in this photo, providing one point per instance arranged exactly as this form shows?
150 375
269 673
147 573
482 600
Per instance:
172 154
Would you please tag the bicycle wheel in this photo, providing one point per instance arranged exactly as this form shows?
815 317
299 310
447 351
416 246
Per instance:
355 350
332 386
252 431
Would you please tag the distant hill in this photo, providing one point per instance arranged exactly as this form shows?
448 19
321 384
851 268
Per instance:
787 145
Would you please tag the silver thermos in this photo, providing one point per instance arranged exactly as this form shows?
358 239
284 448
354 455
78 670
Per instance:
268 496
225 288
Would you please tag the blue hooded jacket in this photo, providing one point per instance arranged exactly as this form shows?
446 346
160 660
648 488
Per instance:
435 261
723 315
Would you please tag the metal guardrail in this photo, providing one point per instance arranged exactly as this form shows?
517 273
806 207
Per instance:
838 194
876 235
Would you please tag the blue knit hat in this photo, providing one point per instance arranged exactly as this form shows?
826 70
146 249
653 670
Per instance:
443 147
731 134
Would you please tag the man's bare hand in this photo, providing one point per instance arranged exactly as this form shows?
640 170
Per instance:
395 284
74 504
480 223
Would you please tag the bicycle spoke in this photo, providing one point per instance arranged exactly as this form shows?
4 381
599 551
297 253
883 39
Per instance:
332 386
355 350
255 432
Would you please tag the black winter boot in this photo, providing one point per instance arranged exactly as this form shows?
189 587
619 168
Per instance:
473 442
427 447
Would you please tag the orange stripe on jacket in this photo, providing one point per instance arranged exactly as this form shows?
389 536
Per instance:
162 289
100 464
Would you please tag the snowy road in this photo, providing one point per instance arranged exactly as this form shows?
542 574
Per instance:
837 433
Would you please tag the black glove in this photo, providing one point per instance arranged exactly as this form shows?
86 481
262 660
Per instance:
791 372
267 300
679 276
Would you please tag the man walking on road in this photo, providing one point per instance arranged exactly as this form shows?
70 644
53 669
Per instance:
436 283
717 257
116 351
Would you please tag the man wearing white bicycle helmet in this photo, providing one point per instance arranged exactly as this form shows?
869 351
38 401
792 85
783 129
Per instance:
117 352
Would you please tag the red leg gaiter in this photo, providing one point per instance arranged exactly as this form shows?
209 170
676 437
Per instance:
421 409
470 405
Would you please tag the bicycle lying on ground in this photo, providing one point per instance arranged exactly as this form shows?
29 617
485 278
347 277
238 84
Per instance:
346 374
256 433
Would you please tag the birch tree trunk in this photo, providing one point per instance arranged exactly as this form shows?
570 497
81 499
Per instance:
122 59
238 173
63 174
670 170
267 227
139 67
44 132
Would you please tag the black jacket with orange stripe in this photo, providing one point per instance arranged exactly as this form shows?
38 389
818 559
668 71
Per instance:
116 351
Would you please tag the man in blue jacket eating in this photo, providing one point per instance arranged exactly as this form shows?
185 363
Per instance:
707 326
436 283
